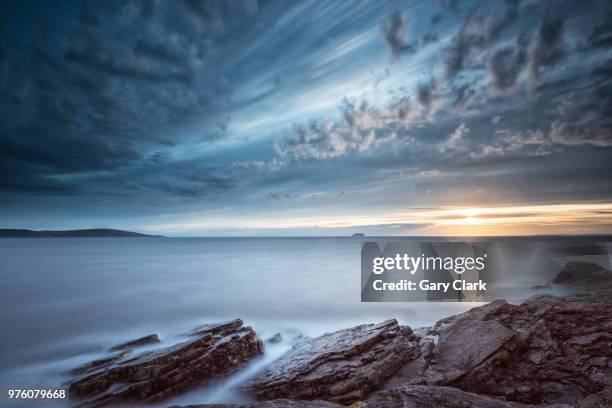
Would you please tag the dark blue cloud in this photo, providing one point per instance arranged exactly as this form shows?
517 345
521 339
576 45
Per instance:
220 105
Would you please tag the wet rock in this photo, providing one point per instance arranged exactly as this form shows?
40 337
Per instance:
343 366
277 338
420 396
142 341
156 375
454 355
546 350
585 282
582 272
413 371
100 363
602 399
283 403
218 328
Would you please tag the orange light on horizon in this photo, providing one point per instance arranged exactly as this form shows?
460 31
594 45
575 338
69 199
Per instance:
577 218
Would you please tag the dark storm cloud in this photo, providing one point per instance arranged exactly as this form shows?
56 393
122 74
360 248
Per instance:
165 103
220 10
463 93
479 30
538 130
426 93
128 71
603 72
507 63
88 18
158 51
601 36
93 53
191 187
549 48
429 38
100 95
18 176
394 33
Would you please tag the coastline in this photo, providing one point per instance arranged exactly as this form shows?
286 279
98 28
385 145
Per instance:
542 351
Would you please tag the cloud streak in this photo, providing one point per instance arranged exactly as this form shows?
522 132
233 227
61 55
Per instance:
151 108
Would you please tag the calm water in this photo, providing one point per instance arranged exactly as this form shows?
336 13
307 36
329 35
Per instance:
65 301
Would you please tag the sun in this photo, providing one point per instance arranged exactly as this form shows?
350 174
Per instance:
469 212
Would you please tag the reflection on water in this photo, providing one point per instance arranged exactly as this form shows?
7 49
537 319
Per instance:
64 302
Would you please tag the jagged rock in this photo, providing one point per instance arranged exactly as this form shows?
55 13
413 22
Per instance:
343 366
156 375
454 355
142 341
282 403
218 328
585 282
100 363
602 399
422 396
582 272
546 350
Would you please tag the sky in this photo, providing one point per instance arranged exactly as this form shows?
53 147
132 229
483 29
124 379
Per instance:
253 117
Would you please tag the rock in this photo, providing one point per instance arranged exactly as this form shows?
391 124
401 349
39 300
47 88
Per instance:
420 396
150 339
411 372
546 350
101 363
283 403
343 366
584 282
602 399
156 375
582 272
454 356
277 338
218 328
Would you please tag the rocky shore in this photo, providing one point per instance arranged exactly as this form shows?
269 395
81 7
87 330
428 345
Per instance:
216 350
545 352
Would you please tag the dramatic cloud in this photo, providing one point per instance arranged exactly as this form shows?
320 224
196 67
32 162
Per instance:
105 97
601 36
549 48
463 93
457 139
232 108
506 64
426 94
478 31
394 31
360 129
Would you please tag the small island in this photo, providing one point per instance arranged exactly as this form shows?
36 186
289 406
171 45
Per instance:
358 235
80 233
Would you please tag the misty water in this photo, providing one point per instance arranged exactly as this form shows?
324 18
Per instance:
64 302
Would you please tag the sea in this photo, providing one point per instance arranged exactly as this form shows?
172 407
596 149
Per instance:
66 301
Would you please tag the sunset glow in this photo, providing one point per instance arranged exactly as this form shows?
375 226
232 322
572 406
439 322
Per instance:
502 220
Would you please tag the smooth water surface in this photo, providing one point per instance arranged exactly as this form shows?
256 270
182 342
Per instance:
65 301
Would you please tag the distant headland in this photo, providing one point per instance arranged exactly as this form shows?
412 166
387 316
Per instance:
80 233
